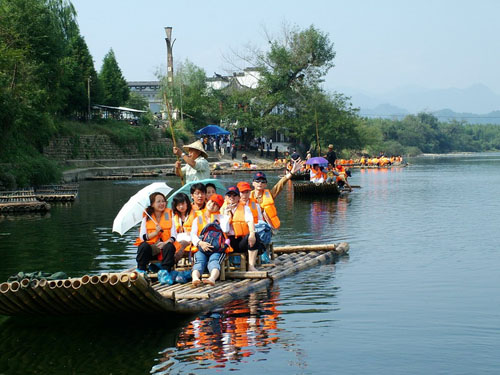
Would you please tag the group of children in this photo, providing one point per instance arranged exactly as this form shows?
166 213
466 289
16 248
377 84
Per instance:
208 226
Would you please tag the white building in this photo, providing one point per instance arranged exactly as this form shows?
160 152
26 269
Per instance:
150 90
249 78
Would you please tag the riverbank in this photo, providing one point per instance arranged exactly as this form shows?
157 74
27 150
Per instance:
84 169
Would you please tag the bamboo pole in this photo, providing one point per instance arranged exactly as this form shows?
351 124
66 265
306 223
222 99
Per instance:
72 287
126 278
171 124
142 285
64 298
45 307
10 298
246 275
100 294
115 282
120 302
304 248
23 300
82 288
51 297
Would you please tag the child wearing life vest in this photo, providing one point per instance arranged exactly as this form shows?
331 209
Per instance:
205 255
183 221
157 235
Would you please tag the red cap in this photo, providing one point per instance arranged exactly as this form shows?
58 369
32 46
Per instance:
243 186
217 198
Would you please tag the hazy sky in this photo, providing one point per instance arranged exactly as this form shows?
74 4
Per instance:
380 45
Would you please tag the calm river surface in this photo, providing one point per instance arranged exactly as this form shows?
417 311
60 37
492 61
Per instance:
419 293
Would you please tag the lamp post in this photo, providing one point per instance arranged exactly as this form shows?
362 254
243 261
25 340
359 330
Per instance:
88 97
170 57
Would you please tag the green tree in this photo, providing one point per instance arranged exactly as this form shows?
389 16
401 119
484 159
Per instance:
82 78
190 97
114 85
137 101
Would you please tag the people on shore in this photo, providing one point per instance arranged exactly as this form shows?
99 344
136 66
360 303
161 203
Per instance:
196 167
206 255
157 235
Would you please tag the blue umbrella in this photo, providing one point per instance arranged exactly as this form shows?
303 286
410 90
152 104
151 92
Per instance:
212 130
186 189
317 160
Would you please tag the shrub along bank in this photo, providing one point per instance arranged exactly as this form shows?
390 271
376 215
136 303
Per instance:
24 163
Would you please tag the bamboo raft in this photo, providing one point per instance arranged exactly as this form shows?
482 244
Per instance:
311 189
301 176
21 201
129 292
57 193
110 177
145 174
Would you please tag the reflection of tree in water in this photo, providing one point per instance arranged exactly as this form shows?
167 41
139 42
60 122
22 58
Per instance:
214 340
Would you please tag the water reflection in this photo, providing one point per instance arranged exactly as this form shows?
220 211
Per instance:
225 337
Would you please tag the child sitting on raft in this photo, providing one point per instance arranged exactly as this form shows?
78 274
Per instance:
205 255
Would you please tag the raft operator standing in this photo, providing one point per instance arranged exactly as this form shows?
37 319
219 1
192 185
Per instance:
196 167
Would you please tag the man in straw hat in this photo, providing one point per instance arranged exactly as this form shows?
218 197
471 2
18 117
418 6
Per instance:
196 167
331 156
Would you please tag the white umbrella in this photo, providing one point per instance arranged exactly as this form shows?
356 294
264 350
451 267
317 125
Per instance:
132 212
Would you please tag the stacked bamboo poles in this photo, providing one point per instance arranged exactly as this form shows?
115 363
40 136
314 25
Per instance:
310 188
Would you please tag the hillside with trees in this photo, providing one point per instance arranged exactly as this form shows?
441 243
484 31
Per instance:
47 76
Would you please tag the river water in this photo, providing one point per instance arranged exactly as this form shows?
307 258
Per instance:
419 292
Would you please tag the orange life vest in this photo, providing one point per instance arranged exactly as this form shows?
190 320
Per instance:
165 224
184 228
200 216
316 174
268 207
240 226
252 204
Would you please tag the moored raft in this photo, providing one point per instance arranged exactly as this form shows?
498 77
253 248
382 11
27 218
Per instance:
310 189
57 193
21 201
110 177
128 292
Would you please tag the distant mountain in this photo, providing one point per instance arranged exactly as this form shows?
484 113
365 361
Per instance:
477 98
476 104
472 118
384 110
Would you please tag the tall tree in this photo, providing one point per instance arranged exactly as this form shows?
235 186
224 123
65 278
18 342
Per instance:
190 96
81 77
114 85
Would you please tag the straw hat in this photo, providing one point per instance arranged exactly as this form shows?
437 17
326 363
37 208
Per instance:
196 146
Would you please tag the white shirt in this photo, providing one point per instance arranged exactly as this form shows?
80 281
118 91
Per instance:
200 171
223 222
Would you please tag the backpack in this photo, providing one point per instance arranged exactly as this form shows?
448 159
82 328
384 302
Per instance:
213 234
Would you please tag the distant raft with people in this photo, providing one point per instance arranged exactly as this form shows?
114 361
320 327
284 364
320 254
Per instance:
311 189
130 292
